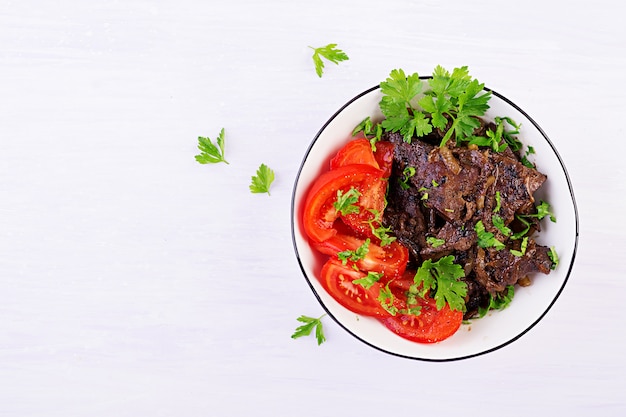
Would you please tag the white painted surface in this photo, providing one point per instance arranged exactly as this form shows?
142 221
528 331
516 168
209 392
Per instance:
134 281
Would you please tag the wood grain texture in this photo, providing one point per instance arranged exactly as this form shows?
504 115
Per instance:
134 281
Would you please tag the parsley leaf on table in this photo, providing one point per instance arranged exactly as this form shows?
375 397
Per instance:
443 277
329 52
211 153
310 323
263 179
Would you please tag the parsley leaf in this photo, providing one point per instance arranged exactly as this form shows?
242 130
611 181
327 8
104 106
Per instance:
354 255
345 203
434 242
380 232
386 300
310 323
408 172
400 116
454 102
499 302
370 279
329 52
498 223
211 153
486 239
443 277
523 247
554 257
262 181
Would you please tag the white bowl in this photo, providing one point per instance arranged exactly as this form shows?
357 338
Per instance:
480 336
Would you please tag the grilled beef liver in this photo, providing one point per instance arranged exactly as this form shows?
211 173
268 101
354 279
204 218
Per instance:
452 189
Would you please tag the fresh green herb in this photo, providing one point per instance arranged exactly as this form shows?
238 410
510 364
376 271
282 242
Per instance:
554 257
443 277
310 323
371 131
386 300
434 183
407 173
380 231
370 279
529 151
262 181
522 232
345 203
499 302
498 223
486 239
455 99
331 53
498 202
412 301
400 116
354 255
543 210
500 138
523 246
434 242
211 153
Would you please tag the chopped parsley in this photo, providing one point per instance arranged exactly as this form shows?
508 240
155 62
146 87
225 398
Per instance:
523 246
435 242
499 302
345 203
354 255
370 279
486 239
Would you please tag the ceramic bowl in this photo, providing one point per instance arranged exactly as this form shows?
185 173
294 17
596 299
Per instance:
480 336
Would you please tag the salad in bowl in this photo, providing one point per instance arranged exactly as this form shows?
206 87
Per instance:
433 218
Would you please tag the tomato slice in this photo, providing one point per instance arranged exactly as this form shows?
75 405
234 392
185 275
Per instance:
337 279
372 201
391 260
384 156
319 212
430 326
357 151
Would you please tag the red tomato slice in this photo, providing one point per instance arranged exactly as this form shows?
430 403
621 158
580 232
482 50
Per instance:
319 212
337 278
384 156
357 151
372 201
390 260
430 326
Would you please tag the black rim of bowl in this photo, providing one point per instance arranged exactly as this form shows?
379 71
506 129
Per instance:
329 313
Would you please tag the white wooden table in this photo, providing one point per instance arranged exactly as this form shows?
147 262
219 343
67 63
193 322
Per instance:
137 282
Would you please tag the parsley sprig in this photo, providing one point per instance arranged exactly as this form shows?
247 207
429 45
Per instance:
346 201
262 181
452 103
211 153
443 277
354 255
329 52
310 323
